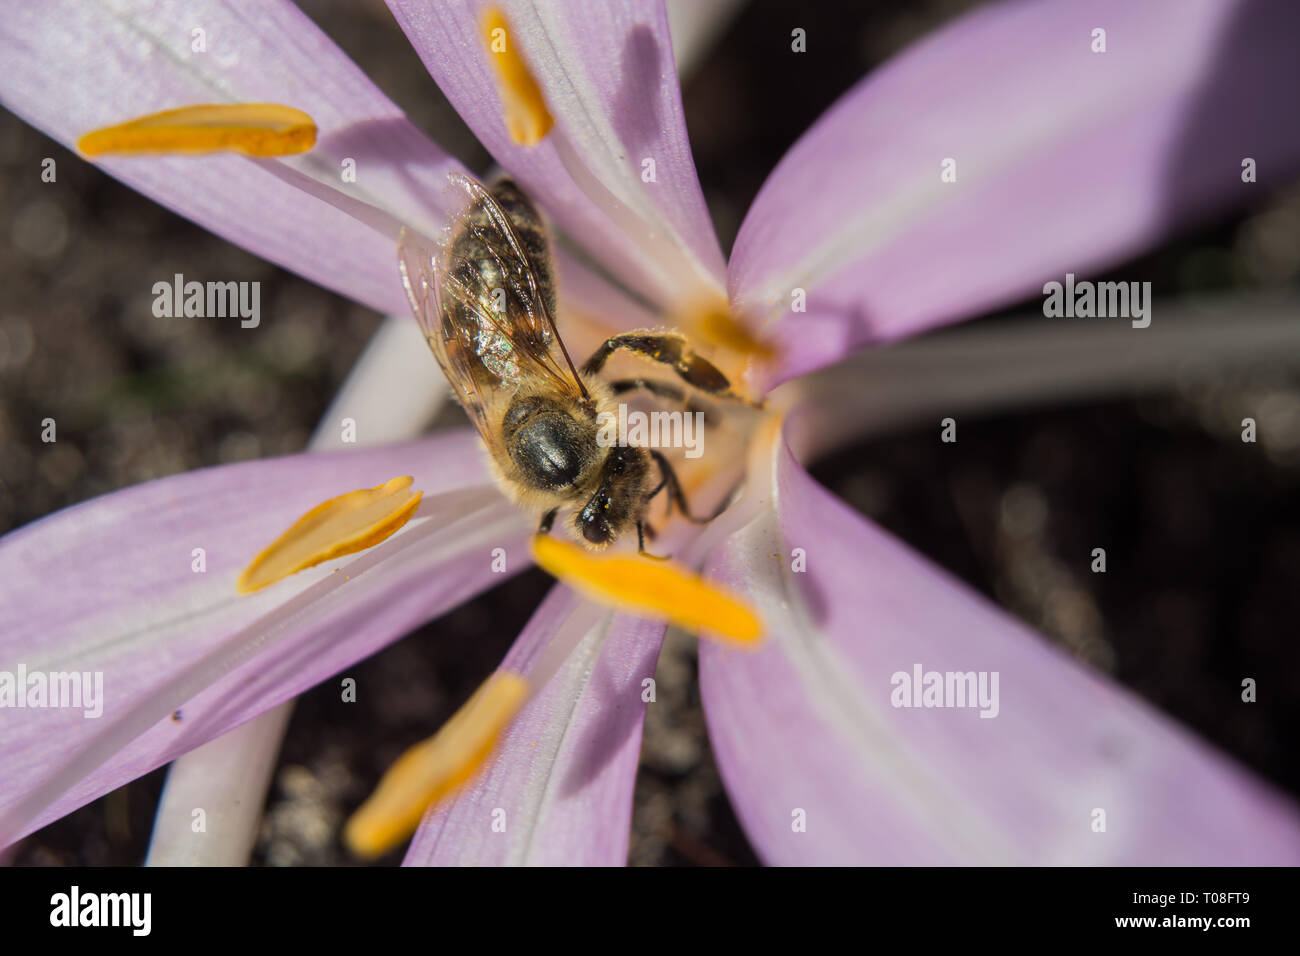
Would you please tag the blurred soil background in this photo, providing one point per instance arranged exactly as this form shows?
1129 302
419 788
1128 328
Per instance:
1202 531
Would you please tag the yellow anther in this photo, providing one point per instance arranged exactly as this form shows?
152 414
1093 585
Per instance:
659 589
254 129
713 322
435 767
527 118
342 525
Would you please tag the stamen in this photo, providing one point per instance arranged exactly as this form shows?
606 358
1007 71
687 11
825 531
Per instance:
435 767
708 319
715 323
343 525
527 118
254 129
660 589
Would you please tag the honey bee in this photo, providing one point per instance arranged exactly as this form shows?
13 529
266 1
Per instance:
486 303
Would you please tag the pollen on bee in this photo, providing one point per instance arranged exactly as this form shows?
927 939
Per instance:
253 129
526 116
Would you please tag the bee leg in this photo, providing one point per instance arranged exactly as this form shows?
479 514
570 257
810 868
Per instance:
667 348
660 389
664 390
668 501
548 520
644 531
668 477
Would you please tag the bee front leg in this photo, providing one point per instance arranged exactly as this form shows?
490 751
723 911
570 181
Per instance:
665 390
668 478
668 511
643 531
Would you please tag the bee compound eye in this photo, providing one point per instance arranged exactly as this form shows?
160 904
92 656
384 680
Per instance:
595 528
597 532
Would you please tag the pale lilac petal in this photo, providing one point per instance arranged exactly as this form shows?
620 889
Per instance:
564 772
592 308
608 76
1067 161
806 724
108 586
72 66
229 775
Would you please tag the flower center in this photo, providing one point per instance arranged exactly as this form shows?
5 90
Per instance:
360 520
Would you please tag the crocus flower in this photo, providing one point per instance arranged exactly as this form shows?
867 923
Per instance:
1067 159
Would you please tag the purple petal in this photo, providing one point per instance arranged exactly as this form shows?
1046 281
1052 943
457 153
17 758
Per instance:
591 307
1067 161
808 723
608 76
108 586
112 66
563 773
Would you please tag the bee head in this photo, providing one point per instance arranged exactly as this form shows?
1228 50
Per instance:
617 500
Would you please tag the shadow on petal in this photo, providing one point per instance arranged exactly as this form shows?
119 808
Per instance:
636 108
617 681
1253 71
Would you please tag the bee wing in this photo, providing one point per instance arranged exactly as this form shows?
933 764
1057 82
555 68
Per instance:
418 259
529 327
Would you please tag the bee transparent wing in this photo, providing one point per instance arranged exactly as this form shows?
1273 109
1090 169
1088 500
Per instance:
418 261
528 326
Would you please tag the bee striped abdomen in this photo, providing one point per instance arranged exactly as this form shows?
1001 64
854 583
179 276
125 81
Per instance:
494 286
